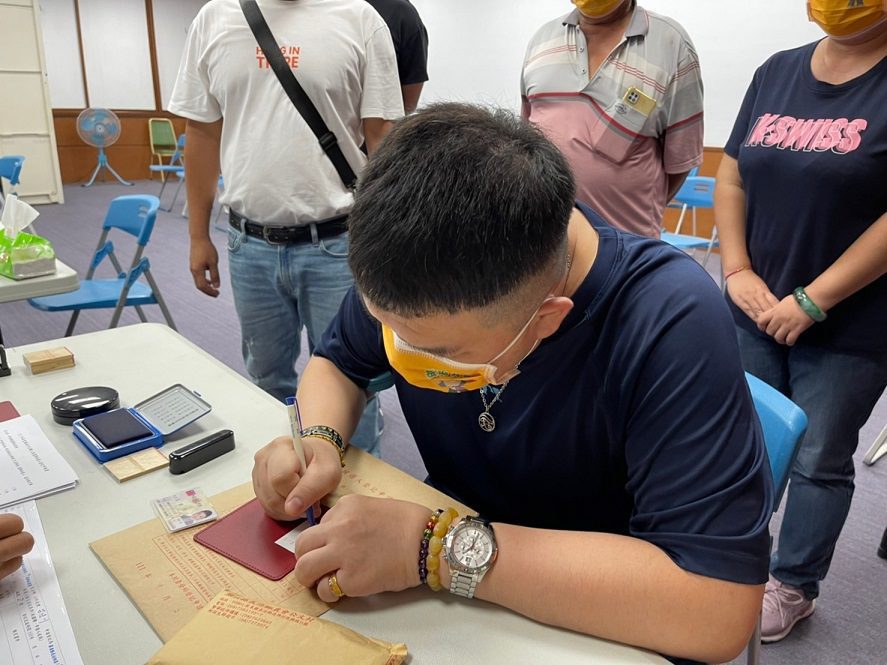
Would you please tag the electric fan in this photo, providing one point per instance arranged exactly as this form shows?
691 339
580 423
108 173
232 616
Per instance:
100 128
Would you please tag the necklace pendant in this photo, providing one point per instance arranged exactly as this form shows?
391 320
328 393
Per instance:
486 421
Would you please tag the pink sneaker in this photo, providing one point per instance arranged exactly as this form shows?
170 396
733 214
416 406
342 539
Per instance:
784 606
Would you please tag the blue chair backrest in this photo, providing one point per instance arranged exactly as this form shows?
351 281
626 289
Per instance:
783 423
134 214
11 168
697 192
180 150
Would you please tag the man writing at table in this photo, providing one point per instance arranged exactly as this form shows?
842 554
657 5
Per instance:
580 387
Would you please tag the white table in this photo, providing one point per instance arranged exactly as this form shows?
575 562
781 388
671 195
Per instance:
142 360
63 280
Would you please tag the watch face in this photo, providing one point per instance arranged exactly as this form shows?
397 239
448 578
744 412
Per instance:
472 547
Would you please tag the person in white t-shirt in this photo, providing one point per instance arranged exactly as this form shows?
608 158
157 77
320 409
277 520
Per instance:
287 244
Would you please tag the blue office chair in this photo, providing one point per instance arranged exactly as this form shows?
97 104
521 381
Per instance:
134 215
10 168
783 424
696 192
176 166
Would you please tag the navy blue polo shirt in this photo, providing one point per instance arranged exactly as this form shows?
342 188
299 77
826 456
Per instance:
813 161
634 418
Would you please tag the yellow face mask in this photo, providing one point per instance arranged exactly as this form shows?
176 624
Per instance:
426 370
597 8
846 18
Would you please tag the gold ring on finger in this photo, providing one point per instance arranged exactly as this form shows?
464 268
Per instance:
333 584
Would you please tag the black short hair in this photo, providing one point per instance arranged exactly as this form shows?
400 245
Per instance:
460 206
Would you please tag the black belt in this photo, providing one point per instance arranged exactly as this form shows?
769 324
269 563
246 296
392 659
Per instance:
284 235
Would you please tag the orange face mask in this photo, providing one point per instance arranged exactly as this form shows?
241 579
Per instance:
846 18
426 370
598 8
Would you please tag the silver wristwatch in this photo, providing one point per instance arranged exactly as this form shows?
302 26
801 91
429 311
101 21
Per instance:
470 550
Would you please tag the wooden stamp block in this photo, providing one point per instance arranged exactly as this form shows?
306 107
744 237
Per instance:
48 360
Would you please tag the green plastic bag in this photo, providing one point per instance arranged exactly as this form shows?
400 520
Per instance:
27 256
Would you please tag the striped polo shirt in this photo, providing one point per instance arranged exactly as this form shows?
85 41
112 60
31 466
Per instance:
625 127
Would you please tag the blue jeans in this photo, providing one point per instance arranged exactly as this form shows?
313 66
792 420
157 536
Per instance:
837 391
278 289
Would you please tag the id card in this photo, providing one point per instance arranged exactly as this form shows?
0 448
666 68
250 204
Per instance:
184 510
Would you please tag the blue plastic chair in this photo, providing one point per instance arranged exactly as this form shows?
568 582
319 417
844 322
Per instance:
134 215
11 169
783 423
696 192
176 166
692 173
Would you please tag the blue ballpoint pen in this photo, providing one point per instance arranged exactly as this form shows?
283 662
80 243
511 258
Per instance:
292 409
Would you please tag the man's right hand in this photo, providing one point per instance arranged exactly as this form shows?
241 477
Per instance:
14 543
204 263
283 488
750 293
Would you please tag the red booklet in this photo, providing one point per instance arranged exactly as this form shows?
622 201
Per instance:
247 536
7 411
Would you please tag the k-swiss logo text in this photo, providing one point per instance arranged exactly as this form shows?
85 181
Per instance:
839 135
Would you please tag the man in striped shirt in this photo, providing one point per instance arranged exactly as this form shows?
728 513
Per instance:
618 89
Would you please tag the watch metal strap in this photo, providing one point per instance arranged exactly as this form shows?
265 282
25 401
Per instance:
462 584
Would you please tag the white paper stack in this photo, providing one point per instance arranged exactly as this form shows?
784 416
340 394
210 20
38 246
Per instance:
30 466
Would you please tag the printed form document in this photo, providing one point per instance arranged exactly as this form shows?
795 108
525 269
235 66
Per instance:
34 624
30 466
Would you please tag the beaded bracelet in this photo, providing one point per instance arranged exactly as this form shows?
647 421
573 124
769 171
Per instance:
327 434
733 272
435 545
810 308
423 546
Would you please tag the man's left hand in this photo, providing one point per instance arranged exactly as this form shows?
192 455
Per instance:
785 321
370 544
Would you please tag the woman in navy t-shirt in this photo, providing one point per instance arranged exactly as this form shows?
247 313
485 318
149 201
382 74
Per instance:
801 208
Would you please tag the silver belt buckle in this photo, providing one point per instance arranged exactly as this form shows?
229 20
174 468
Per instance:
267 238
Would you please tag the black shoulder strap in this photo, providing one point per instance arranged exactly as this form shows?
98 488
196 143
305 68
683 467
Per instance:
295 92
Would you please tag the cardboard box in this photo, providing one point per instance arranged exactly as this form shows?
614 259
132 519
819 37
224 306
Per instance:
50 359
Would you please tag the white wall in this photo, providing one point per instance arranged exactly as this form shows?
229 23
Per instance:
115 44
476 50
115 50
171 21
477 46
58 19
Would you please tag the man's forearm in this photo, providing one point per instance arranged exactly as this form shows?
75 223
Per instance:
202 144
411 93
328 397
620 588
374 130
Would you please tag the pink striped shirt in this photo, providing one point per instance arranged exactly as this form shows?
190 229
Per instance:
621 151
